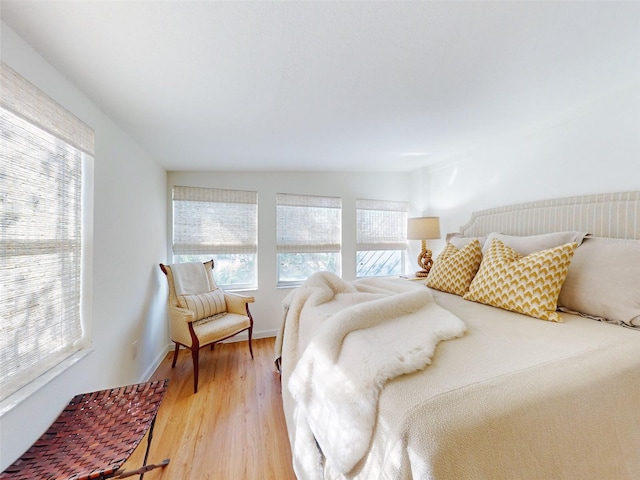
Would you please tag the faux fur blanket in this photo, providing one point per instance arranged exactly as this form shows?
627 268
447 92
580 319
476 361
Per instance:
380 329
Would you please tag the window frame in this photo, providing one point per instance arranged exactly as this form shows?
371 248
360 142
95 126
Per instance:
30 110
328 240
391 240
206 250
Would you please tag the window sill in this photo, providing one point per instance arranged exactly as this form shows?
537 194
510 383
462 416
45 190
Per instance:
32 387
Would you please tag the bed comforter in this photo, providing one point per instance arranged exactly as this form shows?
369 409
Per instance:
513 398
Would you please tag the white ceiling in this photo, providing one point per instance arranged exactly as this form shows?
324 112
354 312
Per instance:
352 86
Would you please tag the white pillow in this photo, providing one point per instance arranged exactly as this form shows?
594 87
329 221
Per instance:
461 242
604 281
525 245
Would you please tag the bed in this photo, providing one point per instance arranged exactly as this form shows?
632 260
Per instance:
392 379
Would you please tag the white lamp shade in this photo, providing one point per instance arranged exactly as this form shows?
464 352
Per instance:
423 228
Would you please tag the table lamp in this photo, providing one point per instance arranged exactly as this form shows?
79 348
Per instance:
423 228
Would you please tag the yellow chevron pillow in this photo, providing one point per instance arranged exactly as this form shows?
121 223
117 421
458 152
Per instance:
454 268
525 284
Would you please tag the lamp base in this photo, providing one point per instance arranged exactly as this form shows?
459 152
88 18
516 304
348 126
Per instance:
424 261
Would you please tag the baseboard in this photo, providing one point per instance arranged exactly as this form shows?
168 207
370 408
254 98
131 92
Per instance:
244 336
241 337
156 363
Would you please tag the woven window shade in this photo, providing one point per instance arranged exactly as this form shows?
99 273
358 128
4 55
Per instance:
42 154
214 221
381 225
308 224
27 101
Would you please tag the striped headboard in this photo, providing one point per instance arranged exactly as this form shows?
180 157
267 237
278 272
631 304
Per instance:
614 215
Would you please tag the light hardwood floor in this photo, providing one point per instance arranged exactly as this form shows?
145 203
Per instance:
232 429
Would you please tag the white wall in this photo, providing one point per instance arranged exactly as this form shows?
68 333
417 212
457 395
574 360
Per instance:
129 241
267 310
593 149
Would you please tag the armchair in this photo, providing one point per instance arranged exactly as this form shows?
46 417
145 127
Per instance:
202 318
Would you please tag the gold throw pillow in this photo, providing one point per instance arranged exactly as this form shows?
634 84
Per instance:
525 284
454 268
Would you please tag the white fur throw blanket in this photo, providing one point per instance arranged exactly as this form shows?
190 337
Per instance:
380 329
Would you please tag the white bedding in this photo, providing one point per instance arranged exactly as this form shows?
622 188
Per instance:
379 331
514 398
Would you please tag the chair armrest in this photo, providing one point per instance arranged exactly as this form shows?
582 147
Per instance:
181 314
237 303
180 322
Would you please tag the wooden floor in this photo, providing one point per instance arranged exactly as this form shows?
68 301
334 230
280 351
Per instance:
232 429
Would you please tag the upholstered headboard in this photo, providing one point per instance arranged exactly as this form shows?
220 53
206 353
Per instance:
614 215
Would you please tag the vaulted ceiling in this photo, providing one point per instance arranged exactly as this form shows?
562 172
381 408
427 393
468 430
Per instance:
352 86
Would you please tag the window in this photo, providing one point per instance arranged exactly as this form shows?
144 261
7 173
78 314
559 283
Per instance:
308 236
218 224
381 237
46 154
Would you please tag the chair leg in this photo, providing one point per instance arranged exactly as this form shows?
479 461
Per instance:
250 347
194 355
195 350
175 356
